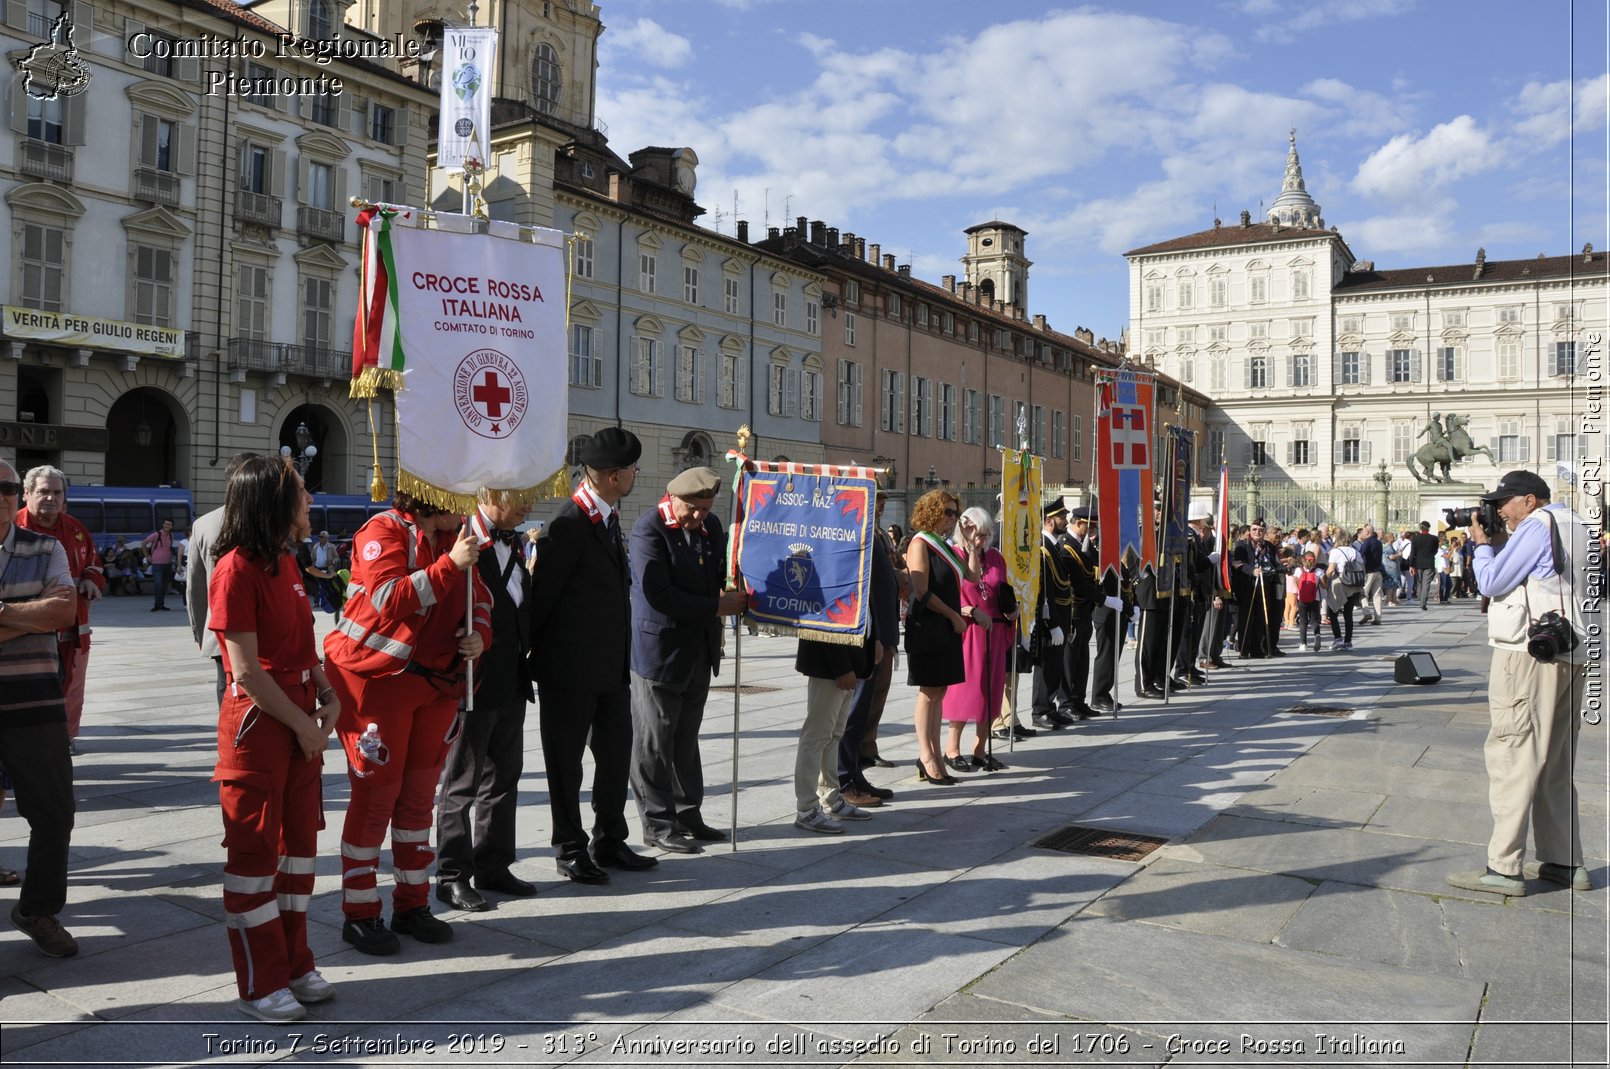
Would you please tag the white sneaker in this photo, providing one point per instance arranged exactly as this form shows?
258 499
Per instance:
312 988
1303 647
818 821
280 1007
845 811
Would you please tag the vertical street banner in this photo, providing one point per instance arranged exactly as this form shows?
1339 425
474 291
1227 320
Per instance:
468 57
1124 467
1021 519
466 324
1176 505
802 544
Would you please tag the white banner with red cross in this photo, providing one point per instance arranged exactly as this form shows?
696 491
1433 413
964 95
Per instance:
484 396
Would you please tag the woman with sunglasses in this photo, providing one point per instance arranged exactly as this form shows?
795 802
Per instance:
278 710
936 619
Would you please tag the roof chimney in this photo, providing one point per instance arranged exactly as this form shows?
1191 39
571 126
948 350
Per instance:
860 248
818 232
743 231
1039 322
949 282
904 269
1587 253
771 233
849 243
888 261
833 238
1481 263
1246 217
872 253
799 225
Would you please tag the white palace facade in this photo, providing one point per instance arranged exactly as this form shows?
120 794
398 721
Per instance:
1321 366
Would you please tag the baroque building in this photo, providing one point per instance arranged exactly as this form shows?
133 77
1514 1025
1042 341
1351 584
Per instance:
678 333
930 381
181 272
1322 366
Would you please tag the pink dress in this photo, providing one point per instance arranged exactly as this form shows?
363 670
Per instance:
978 699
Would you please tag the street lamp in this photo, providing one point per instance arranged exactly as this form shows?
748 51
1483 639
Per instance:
305 450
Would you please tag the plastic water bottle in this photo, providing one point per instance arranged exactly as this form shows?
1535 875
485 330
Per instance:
369 744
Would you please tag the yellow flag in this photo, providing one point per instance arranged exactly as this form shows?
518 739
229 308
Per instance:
1020 530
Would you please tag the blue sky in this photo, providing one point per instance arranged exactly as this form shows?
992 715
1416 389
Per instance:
1426 128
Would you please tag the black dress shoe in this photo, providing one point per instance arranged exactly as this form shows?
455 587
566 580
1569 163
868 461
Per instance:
1101 705
676 843
1221 663
1084 712
704 833
460 895
1045 723
961 764
622 857
1197 678
505 882
581 869
1179 683
1153 693
1066 719
881 792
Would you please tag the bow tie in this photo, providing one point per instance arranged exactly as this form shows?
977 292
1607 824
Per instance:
508 538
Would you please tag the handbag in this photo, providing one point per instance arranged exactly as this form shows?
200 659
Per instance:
926 631
1006 600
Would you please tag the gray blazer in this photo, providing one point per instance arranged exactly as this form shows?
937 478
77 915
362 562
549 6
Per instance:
203 533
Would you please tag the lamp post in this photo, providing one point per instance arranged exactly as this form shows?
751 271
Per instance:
1383 497
302 459
892 479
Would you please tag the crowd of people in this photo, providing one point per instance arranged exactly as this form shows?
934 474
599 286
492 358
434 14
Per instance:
449 626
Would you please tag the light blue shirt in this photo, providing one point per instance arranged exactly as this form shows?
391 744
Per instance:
1529 553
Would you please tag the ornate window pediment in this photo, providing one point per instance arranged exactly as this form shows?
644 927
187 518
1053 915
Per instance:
732 345
585 310
320 256
648 240
44 198
161 98
1258 345
1402 339
323 145
1218 348
780 355
1455 335
157 221
690 335
1349 342
648 325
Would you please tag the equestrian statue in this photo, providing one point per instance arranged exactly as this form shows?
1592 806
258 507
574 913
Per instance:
1446 447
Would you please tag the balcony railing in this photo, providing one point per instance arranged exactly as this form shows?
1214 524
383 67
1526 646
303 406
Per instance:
321 224
257 208
308 361
157 187
44 159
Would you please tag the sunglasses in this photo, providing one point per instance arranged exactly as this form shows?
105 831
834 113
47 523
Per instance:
952 512
10 489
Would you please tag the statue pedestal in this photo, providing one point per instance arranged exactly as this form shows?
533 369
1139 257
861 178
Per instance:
1434 497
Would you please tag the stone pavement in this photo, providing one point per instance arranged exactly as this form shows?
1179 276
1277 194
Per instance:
1297 915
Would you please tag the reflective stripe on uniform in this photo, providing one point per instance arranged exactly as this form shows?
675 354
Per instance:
375 641
415 876
294 903
248 885
296 865
410 835
366 870
371 895
422 587
263 914
359 853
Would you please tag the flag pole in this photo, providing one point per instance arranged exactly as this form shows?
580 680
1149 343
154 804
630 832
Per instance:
1169 505
737 621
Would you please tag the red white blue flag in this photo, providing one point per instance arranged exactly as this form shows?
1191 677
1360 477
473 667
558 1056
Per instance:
1124 467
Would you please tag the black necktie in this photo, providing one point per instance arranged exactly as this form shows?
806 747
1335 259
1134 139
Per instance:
508 538
615 529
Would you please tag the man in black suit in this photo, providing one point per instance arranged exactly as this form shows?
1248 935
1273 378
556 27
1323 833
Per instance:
1053 619
1079 563
1199 573
1423 562
580 634
679 552
1109 619
483 769
1258 581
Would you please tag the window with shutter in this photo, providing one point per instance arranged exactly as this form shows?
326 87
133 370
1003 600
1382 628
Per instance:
43 267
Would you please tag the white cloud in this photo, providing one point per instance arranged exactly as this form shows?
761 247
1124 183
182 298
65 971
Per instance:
1422 231
1312 16
1551 112
1355 112
1410 168
645 41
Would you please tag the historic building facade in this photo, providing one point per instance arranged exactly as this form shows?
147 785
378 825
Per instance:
931 381
181 269
1322 366
676 332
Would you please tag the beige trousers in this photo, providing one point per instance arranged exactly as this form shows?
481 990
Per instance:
1530 751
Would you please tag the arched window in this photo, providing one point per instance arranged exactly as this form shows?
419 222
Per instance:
546 83
320 20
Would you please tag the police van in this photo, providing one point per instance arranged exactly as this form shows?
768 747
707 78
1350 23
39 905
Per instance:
130 512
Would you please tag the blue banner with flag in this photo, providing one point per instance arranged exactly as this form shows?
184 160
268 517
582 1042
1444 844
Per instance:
804 550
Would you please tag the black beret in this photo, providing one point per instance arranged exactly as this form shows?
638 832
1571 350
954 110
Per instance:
611 448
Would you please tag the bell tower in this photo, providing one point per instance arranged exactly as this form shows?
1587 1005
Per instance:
995 265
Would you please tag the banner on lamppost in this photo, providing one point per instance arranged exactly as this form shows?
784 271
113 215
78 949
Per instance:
468 55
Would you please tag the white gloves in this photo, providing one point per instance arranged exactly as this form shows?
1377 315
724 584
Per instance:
1115 604
1057 637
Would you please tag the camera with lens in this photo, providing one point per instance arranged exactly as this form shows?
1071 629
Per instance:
1484 515
1549 637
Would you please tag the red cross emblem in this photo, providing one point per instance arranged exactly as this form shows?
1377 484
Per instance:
489 392
1130 436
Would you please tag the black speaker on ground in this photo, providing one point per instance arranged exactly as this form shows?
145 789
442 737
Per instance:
1416 666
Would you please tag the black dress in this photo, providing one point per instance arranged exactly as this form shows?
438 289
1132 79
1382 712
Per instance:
933 648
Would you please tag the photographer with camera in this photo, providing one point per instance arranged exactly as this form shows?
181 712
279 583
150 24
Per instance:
1535 683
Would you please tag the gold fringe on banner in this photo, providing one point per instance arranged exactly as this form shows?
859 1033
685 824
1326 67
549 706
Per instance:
837 638
378 491
552 488
374 379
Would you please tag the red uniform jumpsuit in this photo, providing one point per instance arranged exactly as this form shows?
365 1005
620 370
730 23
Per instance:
73 642
393 661
270 794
